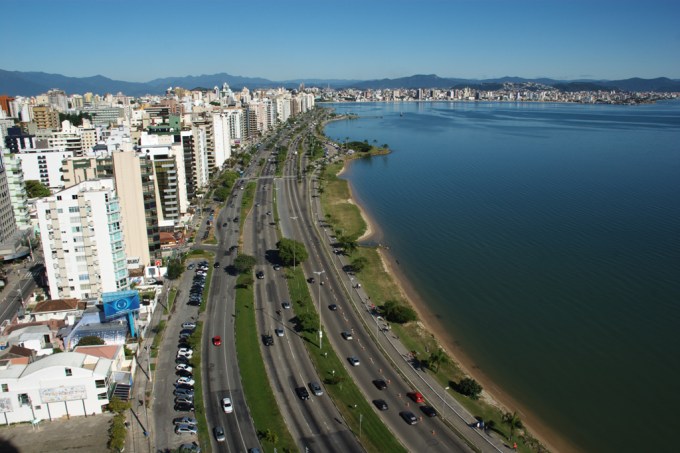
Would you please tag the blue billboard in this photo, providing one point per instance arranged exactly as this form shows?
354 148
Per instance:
120 303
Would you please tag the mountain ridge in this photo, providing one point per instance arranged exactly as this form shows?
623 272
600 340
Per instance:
18 83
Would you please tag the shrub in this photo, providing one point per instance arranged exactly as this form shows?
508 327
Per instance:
469 387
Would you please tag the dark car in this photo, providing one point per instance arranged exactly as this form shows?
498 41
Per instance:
216 265
268 340
184 407
380 384
380 404
409 417
429 411
333 307
310 280
184 373
260 275
182 359
302 393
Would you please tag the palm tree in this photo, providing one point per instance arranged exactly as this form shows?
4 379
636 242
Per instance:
513 421
437 358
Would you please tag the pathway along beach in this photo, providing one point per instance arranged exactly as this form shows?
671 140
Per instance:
492 393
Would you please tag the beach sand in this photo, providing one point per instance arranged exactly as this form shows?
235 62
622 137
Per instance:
492 393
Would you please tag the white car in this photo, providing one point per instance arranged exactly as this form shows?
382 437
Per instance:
185 381
353 361
279 332
189 325
185 352
184 367
226 405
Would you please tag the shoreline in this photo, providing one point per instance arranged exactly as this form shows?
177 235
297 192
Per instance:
492 394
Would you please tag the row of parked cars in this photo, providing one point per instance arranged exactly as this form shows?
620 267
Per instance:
196 292
184 385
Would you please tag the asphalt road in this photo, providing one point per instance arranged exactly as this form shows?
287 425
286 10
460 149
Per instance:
316 423
429 434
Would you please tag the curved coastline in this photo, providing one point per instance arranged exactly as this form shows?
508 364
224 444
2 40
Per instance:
493 394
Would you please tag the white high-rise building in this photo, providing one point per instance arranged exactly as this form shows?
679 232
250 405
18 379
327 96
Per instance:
221 139
82 241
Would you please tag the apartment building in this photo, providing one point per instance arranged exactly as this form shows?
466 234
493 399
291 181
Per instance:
82 240
46 117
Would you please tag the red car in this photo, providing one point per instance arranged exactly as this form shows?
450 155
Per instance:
416 396
217 340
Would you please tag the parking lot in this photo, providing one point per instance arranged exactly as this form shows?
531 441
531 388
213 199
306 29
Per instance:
79 434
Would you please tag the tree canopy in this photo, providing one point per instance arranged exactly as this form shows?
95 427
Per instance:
291 252
36 189
469 387
244 263
175 269
396 312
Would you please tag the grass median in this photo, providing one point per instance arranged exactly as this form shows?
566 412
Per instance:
199 407
264 410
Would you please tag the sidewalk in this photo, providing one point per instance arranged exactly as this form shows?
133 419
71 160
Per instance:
140 435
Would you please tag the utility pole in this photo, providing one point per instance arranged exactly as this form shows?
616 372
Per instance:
318 273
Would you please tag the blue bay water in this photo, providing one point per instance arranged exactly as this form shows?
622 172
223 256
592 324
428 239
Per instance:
546 238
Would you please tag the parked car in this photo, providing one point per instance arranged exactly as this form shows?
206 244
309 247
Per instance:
184 421
183 392
186 429
186 352
185 380
184 373
184 407
189 325
184 399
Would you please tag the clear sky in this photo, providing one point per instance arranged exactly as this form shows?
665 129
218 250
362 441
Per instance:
350 39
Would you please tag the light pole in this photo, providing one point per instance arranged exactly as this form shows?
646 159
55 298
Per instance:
318 273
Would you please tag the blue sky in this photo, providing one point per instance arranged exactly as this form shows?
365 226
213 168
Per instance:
350 39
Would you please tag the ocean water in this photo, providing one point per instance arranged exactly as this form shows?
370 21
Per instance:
546 237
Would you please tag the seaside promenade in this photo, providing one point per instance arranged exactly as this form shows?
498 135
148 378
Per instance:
454 415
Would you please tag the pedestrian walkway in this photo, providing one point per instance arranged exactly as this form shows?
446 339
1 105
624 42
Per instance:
140 417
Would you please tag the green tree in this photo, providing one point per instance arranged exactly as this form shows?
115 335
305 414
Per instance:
348 243
396 312
291 251
469 387
91 340
175 268
244 281
513 421
358 264
436 359
36 189
221 194
117 405
244 263
308 322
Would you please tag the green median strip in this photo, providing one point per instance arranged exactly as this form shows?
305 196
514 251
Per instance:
203 432
269 422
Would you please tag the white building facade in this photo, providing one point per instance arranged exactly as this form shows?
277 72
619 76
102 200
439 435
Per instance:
82 241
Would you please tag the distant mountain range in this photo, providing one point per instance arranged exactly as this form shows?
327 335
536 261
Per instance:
16 83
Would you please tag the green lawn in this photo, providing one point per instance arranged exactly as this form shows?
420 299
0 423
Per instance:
258 393
203 431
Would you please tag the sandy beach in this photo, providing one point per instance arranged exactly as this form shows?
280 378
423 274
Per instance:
492 393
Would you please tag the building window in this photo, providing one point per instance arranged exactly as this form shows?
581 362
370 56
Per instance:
5 388
100 383
68 372
38 408
102 396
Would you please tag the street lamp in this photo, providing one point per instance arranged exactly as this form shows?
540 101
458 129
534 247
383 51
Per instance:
318 273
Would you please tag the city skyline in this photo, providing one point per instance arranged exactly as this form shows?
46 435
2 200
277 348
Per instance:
354 40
